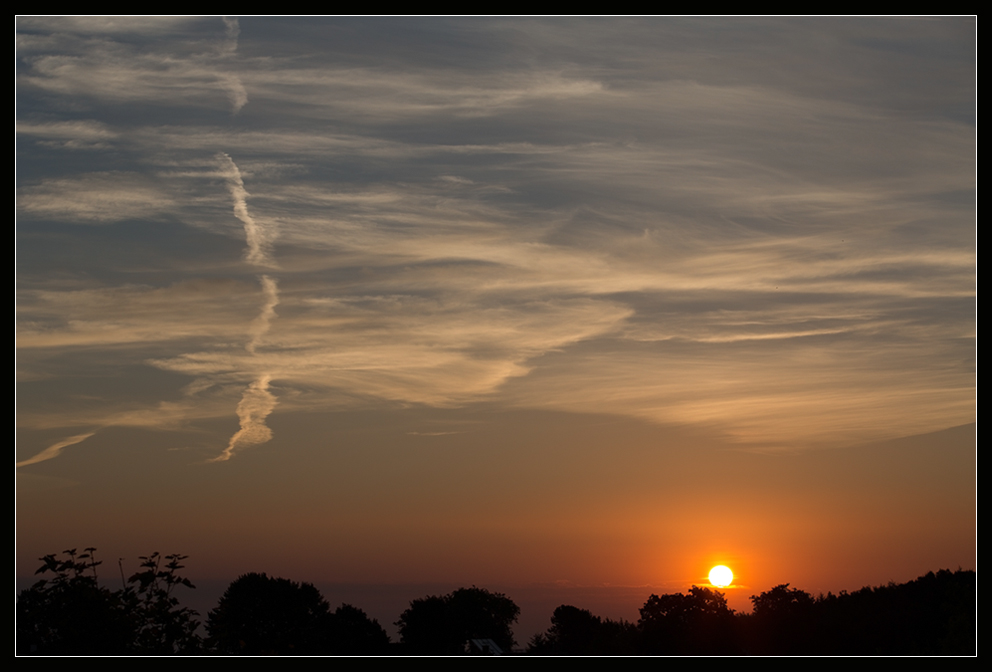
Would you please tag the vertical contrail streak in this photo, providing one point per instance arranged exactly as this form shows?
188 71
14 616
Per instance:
257 401
255 406
233 29
230 81
256 236
260 325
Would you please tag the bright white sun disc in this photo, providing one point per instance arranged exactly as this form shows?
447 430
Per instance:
721 576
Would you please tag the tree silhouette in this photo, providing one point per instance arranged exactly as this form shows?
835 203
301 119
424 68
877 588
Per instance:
782 621
443 625
261 615
693 624
353 633
576 632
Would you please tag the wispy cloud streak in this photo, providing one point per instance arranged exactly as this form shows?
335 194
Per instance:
55 449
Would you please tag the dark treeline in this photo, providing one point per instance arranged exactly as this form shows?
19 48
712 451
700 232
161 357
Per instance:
70 613
933 615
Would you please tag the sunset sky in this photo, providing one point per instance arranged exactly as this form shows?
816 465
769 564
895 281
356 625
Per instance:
557 305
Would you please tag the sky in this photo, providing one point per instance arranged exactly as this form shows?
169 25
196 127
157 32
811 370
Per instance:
532 304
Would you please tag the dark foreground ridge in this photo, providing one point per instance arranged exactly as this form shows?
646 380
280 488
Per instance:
69 613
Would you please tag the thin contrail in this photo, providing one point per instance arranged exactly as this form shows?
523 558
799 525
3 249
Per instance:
256 235
233 29
254 408
230 81
260 325
257 402
55 449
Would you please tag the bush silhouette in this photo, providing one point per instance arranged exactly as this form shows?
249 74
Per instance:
71 614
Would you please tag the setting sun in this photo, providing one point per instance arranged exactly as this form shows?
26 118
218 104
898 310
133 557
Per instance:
721 576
